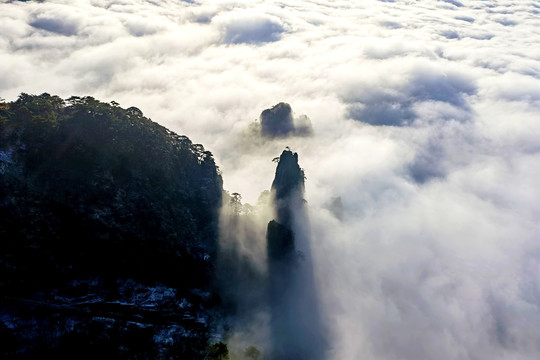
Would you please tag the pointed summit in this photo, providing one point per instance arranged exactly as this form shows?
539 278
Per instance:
288 187
296 326
289 176
288 192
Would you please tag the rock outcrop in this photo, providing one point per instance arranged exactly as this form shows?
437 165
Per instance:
288 187
279 122
297 330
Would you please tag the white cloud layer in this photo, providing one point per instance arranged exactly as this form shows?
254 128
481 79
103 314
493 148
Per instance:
426 123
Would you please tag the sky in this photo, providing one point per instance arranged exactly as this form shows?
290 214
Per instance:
425 118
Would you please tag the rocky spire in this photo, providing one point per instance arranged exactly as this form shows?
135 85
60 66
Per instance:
288 191
296 329
289 177
287 187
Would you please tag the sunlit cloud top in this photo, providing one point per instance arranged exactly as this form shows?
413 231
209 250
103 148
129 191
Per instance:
425 122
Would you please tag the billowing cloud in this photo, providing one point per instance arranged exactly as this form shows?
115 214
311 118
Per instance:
425 125
249 27
397 99
55 25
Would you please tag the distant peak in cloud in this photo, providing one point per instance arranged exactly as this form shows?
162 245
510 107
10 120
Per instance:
335 206
278 121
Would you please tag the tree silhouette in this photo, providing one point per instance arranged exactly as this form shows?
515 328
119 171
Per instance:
236 203
218 351
252 353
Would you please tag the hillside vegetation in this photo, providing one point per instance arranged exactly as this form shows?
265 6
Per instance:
101 205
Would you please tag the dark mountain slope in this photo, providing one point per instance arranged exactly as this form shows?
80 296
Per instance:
91 195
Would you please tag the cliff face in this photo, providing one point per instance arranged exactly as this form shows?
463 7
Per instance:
288 187
296 326
94 197
289 178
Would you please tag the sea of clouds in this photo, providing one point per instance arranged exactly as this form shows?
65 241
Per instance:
426 122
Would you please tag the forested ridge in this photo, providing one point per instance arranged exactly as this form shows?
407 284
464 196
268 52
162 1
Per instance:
105 215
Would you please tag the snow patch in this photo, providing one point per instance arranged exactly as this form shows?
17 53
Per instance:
6 158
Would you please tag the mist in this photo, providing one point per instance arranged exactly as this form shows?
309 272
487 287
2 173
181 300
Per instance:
267 280
423 121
